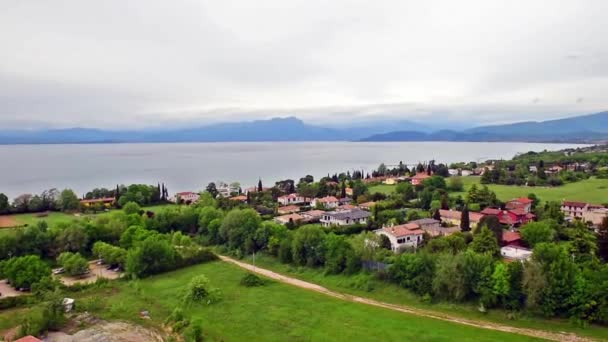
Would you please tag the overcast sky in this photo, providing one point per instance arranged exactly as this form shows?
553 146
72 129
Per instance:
137 63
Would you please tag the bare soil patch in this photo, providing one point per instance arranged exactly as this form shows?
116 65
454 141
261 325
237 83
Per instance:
8 221
96 271
8 291
108 331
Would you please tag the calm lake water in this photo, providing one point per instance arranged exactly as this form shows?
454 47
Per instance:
191 166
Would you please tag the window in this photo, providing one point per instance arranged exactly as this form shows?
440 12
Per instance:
408 238
402 240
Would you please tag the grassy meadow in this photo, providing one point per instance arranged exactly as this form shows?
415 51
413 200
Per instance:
591 190
269 313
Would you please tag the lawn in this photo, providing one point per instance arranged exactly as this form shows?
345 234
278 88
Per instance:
275 312
364 285
382 188
591 190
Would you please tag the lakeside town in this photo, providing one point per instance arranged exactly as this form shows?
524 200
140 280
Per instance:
416 227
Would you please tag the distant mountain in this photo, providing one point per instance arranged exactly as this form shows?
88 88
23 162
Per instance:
583 129
277 129
588 128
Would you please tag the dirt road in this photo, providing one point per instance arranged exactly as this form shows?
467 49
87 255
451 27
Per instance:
554 336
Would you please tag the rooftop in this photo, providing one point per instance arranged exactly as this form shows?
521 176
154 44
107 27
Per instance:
353 214
403 230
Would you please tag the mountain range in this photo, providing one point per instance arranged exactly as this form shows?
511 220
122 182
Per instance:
586 128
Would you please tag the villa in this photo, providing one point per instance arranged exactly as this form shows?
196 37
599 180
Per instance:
344 218
407 235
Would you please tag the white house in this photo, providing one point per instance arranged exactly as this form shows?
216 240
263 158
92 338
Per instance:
292 199
407 235
512 252
344 217
226 190
185 197
328 202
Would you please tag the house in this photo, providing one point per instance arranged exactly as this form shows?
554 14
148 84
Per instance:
419 178
512 218
515 253
595 215
433 227
226 190
574 209
239 198
285 219
510 238
452 217
345 200
346 207
367 205
533 169
312 215
453 172
106 202
292 199
466 173
349 192
403 236
289 209
520 203
328 202
187 197
28 338
390 181
344 218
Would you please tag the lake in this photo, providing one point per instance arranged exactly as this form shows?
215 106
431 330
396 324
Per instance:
191 166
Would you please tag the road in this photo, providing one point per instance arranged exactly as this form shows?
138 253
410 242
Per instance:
553 336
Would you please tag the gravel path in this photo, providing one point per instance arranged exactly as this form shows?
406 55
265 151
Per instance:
553 336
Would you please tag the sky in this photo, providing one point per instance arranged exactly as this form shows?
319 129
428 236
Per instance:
149 63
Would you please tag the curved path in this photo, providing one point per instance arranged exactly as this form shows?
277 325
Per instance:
554 336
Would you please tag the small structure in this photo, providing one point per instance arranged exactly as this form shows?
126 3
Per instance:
292 199
452 217
433 227
520 203
510 238
419 178
239 198
285 219
106 202
407 235
187 197
344 218
289 209
328 202
515 253
312 215
367 205
68 304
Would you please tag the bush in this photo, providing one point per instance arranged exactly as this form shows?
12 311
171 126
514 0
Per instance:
251 280
199 290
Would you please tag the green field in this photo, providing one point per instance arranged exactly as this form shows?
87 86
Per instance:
275 312
364 285
591 190
382 188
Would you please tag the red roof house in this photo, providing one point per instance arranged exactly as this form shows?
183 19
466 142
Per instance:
419 178
511 239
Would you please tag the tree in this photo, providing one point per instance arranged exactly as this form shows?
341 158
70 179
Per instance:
72 239
199 290
308 246
212 189
68 200
602 239
238 227
501 282
455 184
493 225
131 208
414 271
337 252
260 187
21 203
153 255
465 224
23 272
73 263
382 169
534 233
4 204
343 190
485 243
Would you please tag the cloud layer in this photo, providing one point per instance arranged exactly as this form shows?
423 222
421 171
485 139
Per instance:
137 63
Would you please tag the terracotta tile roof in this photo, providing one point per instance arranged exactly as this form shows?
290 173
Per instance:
98 200
239 198
510 237
491 211
313 213
421 175
346 207
28 338
289 196
367 204
574 204
327 199
523 200
456 215
289 208
404 230
290 217
519 211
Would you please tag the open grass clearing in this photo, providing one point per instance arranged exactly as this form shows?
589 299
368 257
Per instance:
364 285
272 312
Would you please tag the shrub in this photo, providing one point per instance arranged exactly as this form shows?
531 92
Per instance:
199 290
251 280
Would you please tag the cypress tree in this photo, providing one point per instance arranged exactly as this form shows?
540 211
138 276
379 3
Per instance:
343 193
437 215
465 224
260 188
